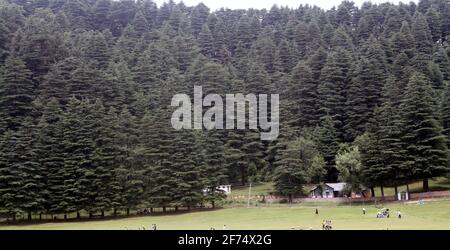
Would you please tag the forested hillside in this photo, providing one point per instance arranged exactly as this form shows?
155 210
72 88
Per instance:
86 86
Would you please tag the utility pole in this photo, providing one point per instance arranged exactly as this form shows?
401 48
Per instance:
249 195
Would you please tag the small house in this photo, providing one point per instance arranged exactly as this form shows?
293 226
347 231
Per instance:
328 190
225 188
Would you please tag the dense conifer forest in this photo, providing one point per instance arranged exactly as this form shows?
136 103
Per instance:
86 88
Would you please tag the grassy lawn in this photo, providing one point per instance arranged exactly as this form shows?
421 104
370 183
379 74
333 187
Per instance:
431 215
437 184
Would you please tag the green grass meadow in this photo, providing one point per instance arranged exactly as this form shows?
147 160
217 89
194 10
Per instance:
431 215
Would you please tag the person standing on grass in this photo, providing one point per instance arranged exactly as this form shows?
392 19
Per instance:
364 211
399 214
317 211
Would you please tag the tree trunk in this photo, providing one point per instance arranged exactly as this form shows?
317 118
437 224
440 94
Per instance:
14 217
29 216
290 198
382 191
176 208
78 215
65 216
213 204
90 215
40 216
115 212
151 210
426 186
164 209
372 190
396 192
103 213
128 211
407 188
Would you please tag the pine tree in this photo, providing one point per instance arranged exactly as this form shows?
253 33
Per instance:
50 152
302 93
16 93
9 177
293 166
77 158
99 15
421 33
285 57
426 151
214 172
365 90
186 50
154 66
206 42
434 22
140 23
315 37
301 38
334 80
446 114
56 82
401 70
264 51
341 40
328 142
198 18
97 51
3 41
403 41
105 157
38 43
317 61
157 148
28 195
443 61
392 22
327 35
244 32
357 105
87 82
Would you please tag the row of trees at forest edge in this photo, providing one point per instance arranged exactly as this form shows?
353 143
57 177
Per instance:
86 85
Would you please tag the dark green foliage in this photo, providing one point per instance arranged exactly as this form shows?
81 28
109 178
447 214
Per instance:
327 141
294 165
302 92
50 150
446 114
421 33
86 88
16 93
334 81
427 153
403 41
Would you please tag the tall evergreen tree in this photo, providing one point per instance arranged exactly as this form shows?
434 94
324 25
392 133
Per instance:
16 93
426 151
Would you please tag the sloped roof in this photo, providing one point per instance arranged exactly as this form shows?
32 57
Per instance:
337 186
